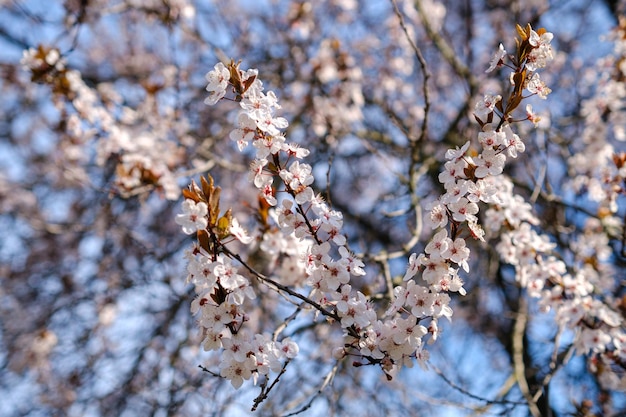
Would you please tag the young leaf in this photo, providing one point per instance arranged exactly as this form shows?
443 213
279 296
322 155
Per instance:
207 186
214 205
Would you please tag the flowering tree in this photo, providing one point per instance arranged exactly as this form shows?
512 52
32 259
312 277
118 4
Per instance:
279 208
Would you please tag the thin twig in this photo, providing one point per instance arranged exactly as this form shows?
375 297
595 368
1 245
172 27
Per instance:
207 370
388 281
506 388
329 377
557 361
265 392
331 157
519 331
446 50
469 394
416 145
285 322
417 230
422 61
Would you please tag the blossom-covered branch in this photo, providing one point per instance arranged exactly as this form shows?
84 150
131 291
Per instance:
309 238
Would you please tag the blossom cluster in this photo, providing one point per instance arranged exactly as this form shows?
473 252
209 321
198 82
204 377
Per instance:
469 181
309 232
577 292
583 301
603 177
396 338
310 242
313 254
136 139
222 291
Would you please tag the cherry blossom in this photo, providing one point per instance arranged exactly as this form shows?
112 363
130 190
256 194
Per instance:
463 210
498 59
193 217
487 105
245 132
491 162
536 86
218 81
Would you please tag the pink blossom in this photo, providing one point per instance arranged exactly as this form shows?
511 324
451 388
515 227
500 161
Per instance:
498 59
193 217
